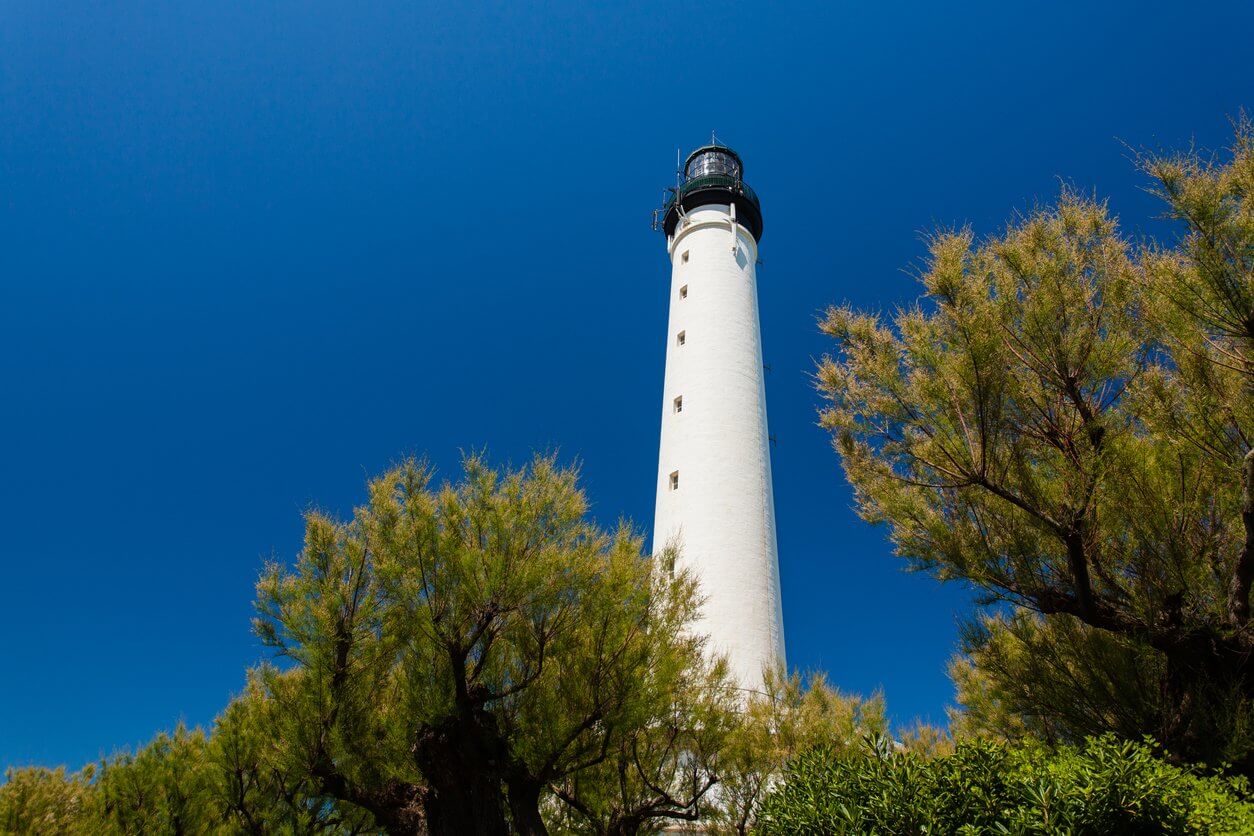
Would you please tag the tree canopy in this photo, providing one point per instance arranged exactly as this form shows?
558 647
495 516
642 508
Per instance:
461 649
474 656
1065 422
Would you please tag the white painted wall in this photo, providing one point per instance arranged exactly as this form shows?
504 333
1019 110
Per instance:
722 516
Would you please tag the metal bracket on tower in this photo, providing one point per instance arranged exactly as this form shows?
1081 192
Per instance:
683 216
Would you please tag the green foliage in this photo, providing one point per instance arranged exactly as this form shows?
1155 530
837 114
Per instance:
1055 680
788 716
38 800
160 789
1065 422
1105 786
455 658
186 782
662 769
251 787
462 651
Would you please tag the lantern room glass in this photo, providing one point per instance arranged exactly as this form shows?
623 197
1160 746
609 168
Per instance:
713 163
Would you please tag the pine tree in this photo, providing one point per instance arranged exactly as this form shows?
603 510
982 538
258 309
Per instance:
1066 421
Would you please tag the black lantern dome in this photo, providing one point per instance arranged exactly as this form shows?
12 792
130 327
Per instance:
714 174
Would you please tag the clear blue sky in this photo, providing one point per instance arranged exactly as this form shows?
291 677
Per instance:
252 252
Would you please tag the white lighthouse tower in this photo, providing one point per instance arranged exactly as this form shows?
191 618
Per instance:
714 498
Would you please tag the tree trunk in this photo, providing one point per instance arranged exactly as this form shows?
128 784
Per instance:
524 807
1205 682
462 759
624 826
1243 575
465 808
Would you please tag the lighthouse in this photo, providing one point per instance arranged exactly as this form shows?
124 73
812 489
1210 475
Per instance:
714 496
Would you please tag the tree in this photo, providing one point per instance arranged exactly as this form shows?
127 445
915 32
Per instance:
1056 680
667 765
458 651
160 789
664 765
40 800
1066 423
253 788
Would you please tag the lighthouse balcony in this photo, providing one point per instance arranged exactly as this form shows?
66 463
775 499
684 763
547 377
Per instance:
716 181
718 189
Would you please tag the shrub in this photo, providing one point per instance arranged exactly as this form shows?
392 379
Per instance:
1106 786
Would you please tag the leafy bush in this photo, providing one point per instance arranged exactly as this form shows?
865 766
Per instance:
1106 786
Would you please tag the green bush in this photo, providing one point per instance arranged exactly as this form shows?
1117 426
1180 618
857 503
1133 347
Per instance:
1106 786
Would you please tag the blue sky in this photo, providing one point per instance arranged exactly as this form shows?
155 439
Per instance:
252 252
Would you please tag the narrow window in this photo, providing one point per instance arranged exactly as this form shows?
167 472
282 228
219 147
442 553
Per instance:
684 257
683 292
675 480
679 404
668 562
679 338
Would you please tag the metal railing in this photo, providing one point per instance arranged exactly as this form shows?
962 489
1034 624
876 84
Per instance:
711 181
